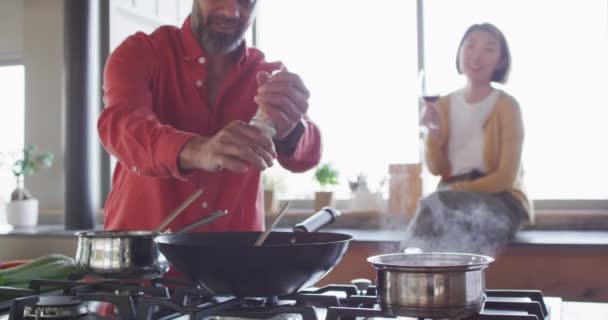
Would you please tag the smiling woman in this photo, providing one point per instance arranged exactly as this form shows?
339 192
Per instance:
556 78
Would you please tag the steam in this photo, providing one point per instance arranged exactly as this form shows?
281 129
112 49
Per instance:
459 221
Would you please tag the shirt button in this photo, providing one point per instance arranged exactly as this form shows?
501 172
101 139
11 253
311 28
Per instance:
201 60
134 169
204 204
199 83
187 58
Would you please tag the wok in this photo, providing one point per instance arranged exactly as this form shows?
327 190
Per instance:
228 263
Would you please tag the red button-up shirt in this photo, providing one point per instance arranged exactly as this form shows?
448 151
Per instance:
155 100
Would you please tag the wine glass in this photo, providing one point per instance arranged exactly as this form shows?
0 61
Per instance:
429 94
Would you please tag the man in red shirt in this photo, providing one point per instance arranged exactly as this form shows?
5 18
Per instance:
178 103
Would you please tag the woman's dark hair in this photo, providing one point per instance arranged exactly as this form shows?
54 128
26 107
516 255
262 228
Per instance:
501 74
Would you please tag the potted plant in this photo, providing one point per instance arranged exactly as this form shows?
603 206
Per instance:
326 176
22 210
362 199
272 186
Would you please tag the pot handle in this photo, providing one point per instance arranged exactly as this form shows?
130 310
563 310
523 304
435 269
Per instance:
318 220
204 221
411 250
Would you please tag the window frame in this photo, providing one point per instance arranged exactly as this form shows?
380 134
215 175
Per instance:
541 206
566 209
13 61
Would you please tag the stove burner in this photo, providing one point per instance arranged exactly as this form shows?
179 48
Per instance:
53 307
254 302
259 302
78 301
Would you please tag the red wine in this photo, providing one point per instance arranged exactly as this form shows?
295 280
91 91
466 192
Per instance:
430 99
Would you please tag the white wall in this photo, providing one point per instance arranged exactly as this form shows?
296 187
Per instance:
11 30
31 31
43 59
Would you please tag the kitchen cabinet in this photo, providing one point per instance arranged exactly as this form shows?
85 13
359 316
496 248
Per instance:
574 268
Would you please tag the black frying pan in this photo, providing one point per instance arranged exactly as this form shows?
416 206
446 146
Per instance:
228 263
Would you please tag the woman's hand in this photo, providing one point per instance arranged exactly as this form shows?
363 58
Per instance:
430 118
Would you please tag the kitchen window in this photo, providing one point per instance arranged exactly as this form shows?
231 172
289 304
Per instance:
359 61
361 69
12 123
364 95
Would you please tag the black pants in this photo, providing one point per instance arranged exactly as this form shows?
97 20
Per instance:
464 221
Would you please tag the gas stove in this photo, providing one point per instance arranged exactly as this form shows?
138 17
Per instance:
165 299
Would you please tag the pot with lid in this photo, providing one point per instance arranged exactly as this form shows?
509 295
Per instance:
432 284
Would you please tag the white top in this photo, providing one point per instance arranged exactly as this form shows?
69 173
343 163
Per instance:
467 121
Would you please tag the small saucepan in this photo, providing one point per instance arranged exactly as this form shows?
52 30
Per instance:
129 254
431 285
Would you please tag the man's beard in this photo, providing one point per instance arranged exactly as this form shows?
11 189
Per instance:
220 42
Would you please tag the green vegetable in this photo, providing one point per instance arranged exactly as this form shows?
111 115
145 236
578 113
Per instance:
35 263
54 270
22 285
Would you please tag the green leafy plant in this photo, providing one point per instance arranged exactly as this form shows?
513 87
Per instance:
326 175
28 161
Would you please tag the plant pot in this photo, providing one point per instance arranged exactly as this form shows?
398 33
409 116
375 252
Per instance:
22 213
364 201
271 203
324 199
4 226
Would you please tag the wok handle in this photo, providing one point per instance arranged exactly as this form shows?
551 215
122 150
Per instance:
318 220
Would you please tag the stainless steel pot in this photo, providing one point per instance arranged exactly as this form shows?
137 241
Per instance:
431 285
120 255
126 254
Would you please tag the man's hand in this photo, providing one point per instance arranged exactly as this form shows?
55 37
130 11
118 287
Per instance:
284 98
233 148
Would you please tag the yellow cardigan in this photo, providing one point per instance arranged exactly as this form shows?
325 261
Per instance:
503 141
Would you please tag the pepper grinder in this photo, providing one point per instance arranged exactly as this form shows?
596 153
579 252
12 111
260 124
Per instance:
261 121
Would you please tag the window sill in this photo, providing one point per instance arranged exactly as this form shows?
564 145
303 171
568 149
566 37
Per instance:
572 220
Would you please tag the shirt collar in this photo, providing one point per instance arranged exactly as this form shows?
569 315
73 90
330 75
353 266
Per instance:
194 50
